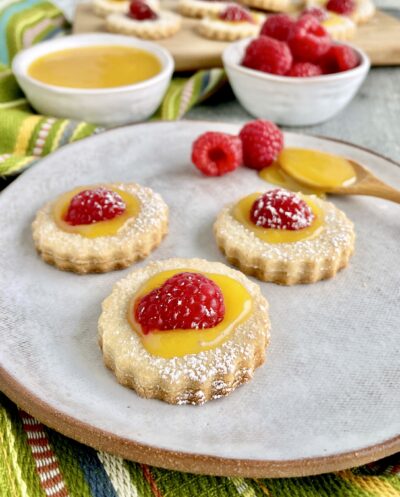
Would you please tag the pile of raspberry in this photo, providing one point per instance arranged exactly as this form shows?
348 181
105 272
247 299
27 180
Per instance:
298 48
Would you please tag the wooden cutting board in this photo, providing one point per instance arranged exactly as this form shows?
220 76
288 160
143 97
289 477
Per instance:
380 38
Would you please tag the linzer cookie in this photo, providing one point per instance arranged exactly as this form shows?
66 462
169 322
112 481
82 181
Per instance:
184 331
100 228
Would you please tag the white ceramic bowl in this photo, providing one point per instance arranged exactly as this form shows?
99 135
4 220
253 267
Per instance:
287 100
105 106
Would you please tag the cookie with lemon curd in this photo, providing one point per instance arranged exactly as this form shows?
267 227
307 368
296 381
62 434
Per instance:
95 229
339 27
142 21
232 23
103 8
184 331
285 238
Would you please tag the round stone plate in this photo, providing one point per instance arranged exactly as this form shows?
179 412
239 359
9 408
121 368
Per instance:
328 395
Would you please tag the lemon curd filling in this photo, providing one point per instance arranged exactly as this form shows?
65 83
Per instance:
276 175
317 169
95 67
108 227
241 212
333 20
180 342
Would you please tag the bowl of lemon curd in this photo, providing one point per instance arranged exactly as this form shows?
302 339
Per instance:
105 79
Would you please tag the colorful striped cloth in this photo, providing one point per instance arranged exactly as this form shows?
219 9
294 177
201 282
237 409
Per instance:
38 462
25 136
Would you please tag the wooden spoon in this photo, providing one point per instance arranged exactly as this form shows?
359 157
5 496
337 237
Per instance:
367 184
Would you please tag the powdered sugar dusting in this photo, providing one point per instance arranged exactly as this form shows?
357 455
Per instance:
192 378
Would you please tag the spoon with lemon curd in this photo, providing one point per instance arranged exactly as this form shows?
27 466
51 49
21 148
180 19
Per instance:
333 174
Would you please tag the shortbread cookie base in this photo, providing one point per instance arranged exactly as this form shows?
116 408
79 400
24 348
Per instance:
192 378
342 32
134 240
365 10
306 261
200 8
216 29
165 26
274 5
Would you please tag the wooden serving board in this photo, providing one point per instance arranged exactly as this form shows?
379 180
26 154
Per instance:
380 38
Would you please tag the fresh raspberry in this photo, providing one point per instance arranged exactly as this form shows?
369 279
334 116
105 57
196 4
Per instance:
318 12
268 55
91 206
344 7
186 301
282 210
236 13
216 153
262 141
308 40
140 11
340 58
277 26
304 70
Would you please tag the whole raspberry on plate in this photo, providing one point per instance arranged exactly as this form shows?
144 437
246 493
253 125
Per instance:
262 141
140 11
319 13
308 40
305 70
185 301
215 154
277 26
344 7
280 209
268 55
92 206
236 13
339 58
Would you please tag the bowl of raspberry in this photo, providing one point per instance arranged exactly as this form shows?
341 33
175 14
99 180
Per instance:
294 73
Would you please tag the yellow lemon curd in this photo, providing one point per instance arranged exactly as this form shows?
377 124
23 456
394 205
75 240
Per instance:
276 175
180 342
108 227
95 67
241 212
309 171
316 169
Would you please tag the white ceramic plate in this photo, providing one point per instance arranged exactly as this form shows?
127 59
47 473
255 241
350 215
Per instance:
328 396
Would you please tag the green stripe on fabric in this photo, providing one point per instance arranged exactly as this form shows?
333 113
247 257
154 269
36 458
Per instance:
20 452
10 124
83 130
329 485
9 89
69 466
193 485
51 137
34 136
24 24
138 480
15 164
